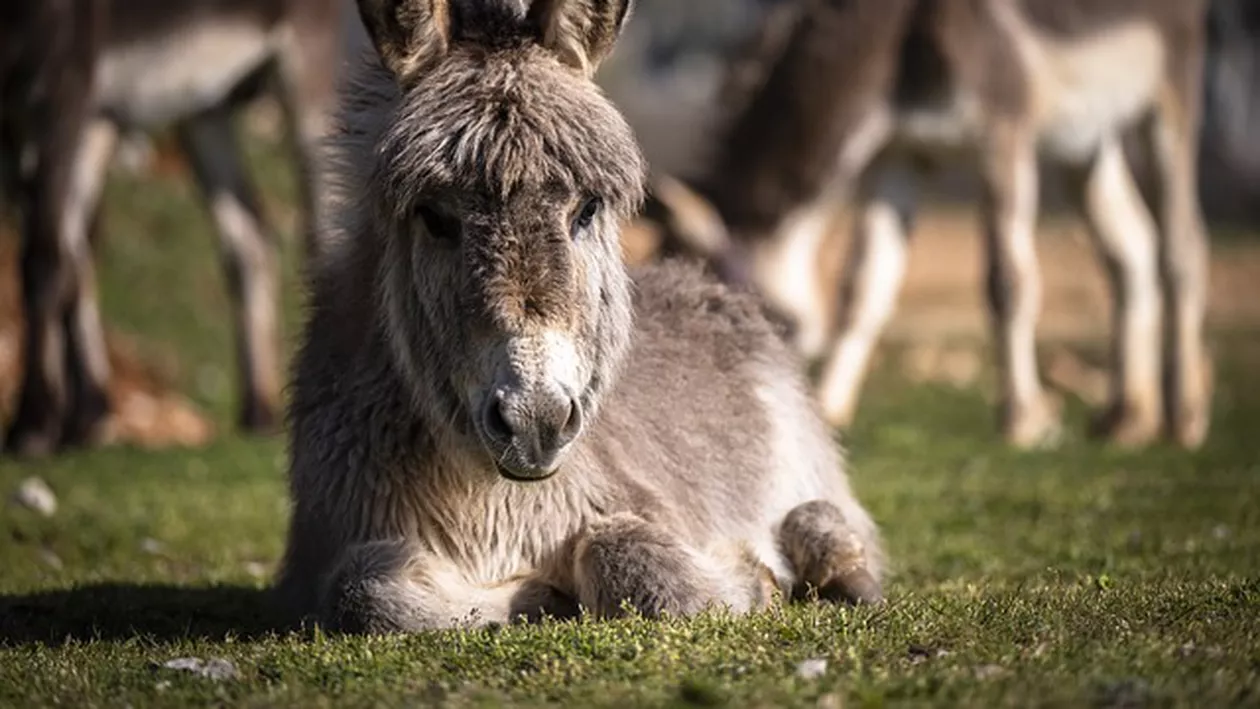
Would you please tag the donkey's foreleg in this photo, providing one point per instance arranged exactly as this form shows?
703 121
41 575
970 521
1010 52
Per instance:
874 273
58 284
396 586
626 561
1124 233
87 366
1009 171
308 70
1184 256
249 258
829 556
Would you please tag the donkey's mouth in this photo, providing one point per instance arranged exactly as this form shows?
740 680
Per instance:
531 476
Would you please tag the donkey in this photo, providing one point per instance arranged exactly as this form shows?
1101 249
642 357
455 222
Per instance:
873 94
74 76
490 419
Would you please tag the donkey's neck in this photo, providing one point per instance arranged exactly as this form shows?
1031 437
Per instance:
492 527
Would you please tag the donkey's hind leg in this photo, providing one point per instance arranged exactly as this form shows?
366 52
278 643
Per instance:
828 555
87 366
396 586
63 395
249 258
308 69
1184 254
873 277
1124 233
1009 166
626 560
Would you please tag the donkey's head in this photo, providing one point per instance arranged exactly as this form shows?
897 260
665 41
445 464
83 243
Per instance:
500 182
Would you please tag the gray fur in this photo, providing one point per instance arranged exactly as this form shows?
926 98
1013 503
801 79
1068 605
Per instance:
696 436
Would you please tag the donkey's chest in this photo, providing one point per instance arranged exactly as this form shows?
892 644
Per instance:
162 79
506 529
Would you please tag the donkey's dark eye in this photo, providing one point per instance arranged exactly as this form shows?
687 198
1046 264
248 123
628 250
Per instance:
442 227
585 216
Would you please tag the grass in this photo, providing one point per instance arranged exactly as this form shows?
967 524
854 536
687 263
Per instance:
1079 576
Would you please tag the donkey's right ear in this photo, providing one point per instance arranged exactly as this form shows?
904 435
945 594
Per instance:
409 35
580 32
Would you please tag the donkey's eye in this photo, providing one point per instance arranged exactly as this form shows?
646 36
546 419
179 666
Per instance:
585 216
443 228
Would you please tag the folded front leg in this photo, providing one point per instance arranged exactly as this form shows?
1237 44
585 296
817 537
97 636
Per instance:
398 586
828 555
627 560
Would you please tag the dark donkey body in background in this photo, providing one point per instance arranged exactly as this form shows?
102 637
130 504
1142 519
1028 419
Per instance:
870 94
74 75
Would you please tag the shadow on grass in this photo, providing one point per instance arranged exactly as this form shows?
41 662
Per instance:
125 611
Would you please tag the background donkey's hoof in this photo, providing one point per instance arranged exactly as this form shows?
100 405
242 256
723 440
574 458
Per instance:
1039 426
259 419
1190 428
1126 426
29 442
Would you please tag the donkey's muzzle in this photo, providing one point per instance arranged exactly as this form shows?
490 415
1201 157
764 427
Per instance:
527 432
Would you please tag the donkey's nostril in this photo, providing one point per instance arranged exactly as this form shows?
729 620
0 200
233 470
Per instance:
572 423
497 425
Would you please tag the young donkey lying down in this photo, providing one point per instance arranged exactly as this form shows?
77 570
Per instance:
489 419
869 91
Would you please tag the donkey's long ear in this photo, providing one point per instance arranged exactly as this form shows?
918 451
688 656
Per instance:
410 35
580 32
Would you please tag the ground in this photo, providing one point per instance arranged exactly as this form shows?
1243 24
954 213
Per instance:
1082 575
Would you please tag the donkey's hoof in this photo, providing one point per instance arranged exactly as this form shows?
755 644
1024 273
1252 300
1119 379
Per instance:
1126 426
1033 427
29 443
91 432
856 587
259 419
1190 428
1190 412
838 408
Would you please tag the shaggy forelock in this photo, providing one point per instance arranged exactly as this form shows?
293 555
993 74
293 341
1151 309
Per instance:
490 123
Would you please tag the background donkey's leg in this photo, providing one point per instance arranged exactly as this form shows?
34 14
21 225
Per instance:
788 267
873 275
87 366
308 66
1009 170
48 266
1184 253
1124 233
249 258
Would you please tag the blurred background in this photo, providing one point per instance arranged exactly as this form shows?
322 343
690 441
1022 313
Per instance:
168 320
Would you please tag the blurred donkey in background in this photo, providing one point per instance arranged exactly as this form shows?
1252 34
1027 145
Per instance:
74 76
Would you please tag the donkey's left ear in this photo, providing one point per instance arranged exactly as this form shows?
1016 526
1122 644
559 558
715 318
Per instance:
581 32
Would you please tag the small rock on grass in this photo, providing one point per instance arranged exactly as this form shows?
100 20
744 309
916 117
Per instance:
812 668
34 494
216 668
49 557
